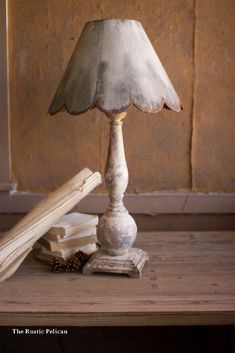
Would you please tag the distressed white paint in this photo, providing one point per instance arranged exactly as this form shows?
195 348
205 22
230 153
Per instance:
113 66
131 263
116 229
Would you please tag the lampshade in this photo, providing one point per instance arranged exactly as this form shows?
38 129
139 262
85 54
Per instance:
113 66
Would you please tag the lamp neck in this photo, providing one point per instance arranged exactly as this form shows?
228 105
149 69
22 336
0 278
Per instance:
116 119
116 173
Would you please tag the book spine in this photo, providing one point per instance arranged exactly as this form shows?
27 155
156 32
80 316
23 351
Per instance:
72 230
65 232
88 249
75 229
53 246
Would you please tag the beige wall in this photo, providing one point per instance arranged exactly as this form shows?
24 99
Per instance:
213 153
165 151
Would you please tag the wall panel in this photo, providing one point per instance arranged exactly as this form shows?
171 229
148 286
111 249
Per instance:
48 150
213 154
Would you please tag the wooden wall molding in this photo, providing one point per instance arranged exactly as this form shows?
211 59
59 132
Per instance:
5 160
147 203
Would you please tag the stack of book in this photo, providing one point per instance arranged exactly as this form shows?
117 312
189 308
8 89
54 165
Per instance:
75 231
19 241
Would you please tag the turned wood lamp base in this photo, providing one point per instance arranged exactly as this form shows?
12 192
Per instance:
131 263
116 231
105 60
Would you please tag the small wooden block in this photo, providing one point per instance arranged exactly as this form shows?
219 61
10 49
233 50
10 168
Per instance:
130 263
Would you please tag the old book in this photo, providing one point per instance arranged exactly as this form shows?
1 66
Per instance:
65 253
47 212
70 243
83 233
38 221
73 223
43 257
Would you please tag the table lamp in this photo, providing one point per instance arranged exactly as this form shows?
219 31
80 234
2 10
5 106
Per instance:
112 67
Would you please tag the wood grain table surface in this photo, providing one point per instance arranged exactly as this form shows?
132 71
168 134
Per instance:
189 280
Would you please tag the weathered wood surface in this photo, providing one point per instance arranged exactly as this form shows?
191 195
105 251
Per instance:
113 66
189 279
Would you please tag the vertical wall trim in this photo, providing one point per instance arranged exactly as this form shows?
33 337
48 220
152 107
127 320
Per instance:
193 95
5 159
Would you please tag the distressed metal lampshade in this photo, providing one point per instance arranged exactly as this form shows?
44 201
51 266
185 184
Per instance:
113 66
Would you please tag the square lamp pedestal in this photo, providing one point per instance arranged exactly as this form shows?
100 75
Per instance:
130 263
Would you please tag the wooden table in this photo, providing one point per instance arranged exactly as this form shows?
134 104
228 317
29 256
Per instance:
189 280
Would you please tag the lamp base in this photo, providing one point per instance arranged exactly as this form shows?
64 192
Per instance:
130 263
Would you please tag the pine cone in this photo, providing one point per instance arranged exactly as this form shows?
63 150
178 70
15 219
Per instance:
57 264
73 265
82 257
